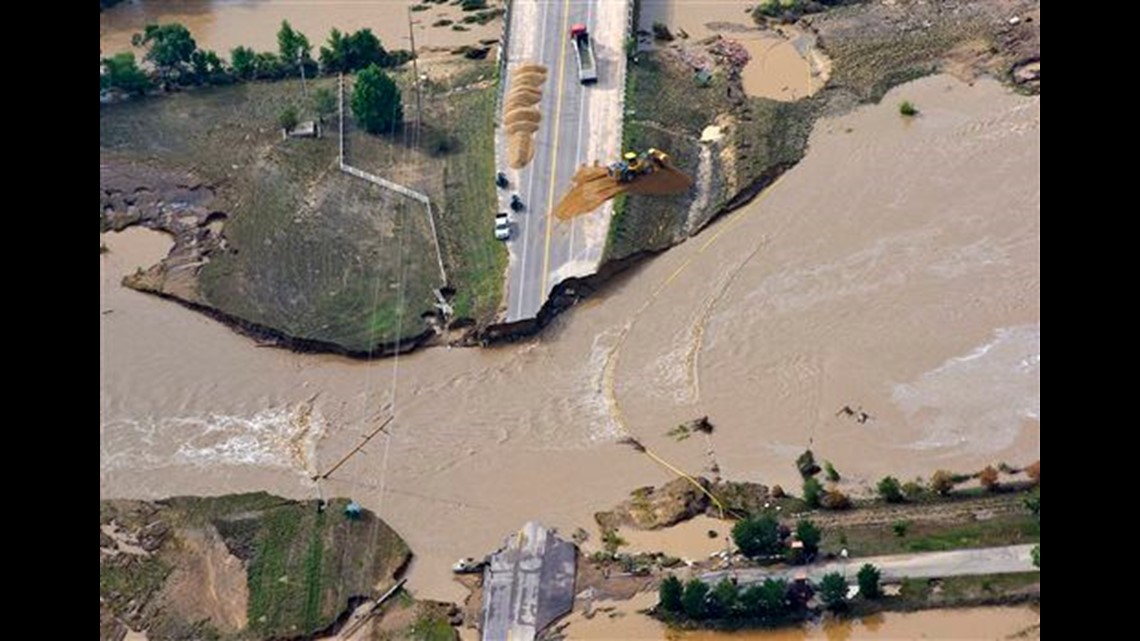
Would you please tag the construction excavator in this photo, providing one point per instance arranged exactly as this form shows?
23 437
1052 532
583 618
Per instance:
634 164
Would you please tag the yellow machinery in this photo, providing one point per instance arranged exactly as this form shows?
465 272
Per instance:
634 164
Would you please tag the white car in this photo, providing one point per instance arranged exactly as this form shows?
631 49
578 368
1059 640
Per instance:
502 226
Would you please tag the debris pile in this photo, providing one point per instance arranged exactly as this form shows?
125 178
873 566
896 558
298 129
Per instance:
520 116
593 185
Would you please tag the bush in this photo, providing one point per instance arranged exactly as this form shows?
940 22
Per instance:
989 478
287 119
1033 503
473 5
868 578
900 528
1036 553
942 482
724 600
834 500
813 490
661 32
757 536
889 490
810 534
693 599
324 102
669 594
833 591
442 22
913 490
829 471
777 492
806 464
907 109
376 101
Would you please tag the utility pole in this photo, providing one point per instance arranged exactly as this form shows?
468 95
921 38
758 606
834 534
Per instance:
301 64
415 71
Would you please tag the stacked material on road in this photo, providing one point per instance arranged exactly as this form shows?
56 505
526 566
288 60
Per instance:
520 116
594 186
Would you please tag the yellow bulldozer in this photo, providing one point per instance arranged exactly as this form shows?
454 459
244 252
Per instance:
634 164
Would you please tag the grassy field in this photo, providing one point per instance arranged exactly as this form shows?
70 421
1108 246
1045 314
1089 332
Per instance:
303 566
315 254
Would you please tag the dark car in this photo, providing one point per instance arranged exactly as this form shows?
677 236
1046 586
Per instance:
501 180
516 203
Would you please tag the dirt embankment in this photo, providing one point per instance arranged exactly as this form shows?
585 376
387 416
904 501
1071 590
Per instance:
250 566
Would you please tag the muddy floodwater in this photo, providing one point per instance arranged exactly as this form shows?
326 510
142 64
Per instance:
784 62
896 269
222 25
620 620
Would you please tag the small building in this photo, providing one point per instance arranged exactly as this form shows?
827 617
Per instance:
307 129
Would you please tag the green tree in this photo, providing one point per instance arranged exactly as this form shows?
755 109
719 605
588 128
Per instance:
724 601
243 60
752 600
324 102
833 591
813 491
890 490
208 67
773 598
757 536
376 101
292 45
287 119
1036 553
333 57
124 74
170 47
669 594
693 599
810 534
868 578
364 49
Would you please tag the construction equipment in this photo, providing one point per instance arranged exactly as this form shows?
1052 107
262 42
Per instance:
584 46
634 164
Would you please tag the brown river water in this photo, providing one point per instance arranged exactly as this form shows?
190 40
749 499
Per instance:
222 25
896 268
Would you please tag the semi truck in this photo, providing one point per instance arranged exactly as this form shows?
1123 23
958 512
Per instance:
584 47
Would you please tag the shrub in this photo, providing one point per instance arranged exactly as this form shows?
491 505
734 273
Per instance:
376 101
1036 553
661 32
669 594
907 109
777 492
989 478
833 591
757 536
829 472
890 491
810 534
693 599
287 119
724 599
942 482
900 528
806 464
834 500
913 490
812 492
868 578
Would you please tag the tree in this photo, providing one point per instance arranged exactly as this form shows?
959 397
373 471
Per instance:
773 597
813 490
833 591
693 599
829 470
267 66
376 101
868 578
333 56
207 66
724 600
810 534
890 490
364 49
757 536
806 464
123 73
324 102
989 478
942 482
244 62
170 47
1036 554
287 119
834 500
669 594
292 45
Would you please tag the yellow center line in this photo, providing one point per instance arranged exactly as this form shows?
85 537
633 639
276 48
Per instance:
554 147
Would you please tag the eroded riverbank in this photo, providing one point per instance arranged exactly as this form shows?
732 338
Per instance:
867 267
